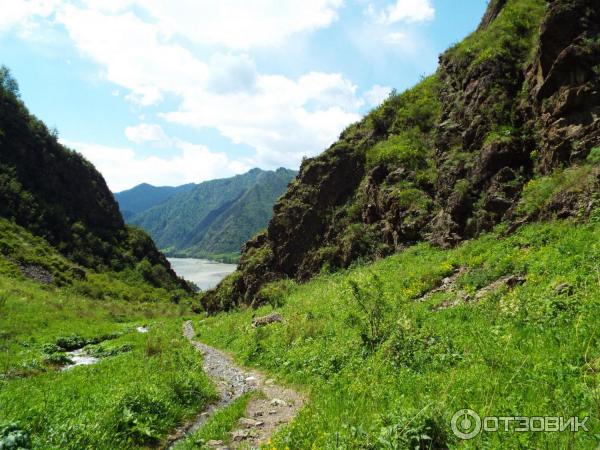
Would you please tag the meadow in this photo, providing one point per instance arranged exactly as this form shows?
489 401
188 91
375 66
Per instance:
387 352
144 385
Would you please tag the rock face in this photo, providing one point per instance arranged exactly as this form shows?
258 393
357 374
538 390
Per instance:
448 159
563 104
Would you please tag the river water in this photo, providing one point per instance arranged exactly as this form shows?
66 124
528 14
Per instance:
203 273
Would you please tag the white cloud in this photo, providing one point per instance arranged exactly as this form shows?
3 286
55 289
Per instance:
122 169
148 53
24 12
241 24
231 73
145 132
134 53
282 119
377 94
408 11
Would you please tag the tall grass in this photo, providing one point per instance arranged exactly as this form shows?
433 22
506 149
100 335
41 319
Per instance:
528 350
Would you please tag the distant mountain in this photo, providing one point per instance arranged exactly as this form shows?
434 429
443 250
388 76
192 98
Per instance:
145 196
213 218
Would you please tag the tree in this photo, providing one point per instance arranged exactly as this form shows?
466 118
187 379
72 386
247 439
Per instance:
7 82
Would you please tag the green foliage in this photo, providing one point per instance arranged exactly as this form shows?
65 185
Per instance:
129 399
408 120
503 134
274 293
525 350
215 218
14 438
511 35
372 311
8 83
540 191
56 194
404 150
413 431
594 156
218 426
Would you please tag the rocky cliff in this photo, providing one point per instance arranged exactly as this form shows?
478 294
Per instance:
506 131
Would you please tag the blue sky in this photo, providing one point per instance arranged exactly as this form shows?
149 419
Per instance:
178 91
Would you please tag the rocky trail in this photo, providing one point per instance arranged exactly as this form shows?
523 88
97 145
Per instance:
276 406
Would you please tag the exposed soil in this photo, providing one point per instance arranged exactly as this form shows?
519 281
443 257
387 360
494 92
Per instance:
265 413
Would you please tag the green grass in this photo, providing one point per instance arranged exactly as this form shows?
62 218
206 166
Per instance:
539 192
144 384
132 398
384 370
513 33
218 426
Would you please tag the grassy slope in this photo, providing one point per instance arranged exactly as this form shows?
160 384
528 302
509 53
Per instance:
527 351
130 400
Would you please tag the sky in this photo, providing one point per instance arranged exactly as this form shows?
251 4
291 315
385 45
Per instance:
179 91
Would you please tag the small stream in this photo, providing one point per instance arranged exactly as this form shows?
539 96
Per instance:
80 358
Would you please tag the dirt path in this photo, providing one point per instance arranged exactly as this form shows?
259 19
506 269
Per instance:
278 405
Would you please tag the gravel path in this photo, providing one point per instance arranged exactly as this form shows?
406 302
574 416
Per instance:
278 405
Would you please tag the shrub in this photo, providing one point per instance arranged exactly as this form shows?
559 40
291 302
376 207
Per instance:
538 192
189 389
58 359
404 150
413 432
594 156
72 342
275 293
8 83
12 437
372 311
419 349
99 351
137 416
511 34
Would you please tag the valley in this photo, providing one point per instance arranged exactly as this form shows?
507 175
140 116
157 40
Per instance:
430 280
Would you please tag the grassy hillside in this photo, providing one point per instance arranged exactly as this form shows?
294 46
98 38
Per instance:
215 217
387 359
144 385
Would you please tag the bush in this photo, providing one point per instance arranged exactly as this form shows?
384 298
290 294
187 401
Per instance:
511 34
372 311
538 192
12 437
594 156
406 150
138 416
413 432
275 293
58 359
8 83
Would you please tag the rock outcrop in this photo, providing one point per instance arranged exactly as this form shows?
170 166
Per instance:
449 159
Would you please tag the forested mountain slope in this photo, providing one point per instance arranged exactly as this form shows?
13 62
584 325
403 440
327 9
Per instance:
144 196
56 194
215 217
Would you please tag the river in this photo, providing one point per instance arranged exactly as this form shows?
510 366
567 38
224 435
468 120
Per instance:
203 273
